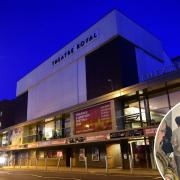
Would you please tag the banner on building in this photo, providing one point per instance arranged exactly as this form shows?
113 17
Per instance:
94 119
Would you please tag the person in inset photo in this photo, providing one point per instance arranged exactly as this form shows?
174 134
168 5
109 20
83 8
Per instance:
176 144
163 161
166 144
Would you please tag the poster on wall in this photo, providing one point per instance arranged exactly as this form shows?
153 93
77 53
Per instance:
41 155
60 154
93 119
48 130
81 154
17 136
95 154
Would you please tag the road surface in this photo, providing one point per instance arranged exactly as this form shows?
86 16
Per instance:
40 175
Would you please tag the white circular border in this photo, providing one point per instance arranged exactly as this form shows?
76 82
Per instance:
156 137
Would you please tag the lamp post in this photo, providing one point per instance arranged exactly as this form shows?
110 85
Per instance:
111 83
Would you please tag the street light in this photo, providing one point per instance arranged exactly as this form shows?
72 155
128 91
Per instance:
2 160
111 83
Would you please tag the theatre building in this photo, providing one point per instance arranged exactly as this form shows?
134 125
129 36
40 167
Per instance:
103 94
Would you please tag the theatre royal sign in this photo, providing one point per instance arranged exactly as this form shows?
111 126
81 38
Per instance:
76 47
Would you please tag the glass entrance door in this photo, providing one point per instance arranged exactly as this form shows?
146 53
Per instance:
140 154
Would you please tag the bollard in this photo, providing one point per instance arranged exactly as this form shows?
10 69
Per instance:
70 163
27 162
30 162
20 161
131 163
106 161
58 163
46 163
85 163
36 162
14 162
8 161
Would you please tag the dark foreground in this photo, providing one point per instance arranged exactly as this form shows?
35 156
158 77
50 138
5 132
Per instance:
38 175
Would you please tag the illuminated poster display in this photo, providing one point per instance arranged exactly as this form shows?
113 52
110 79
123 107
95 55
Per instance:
81 154
60 154
17 136
95 154
41 155
97 118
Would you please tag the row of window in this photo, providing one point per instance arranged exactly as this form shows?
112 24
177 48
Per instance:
137 112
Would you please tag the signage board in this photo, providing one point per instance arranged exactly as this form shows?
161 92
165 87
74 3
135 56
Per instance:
127 133
58 142
118 134
150 131
93 119
135 132
32 145
96 138
44 143
75 48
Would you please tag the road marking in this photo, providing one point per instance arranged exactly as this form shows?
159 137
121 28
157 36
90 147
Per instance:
126 175
38 176
61 178
158 178
34 175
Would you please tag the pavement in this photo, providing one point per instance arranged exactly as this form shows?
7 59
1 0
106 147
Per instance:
118 171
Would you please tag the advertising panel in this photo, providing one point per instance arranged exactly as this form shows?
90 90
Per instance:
150 131
60 154
81 154
95 154
94 119
17 136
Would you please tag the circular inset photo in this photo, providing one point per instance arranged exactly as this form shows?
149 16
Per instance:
167 145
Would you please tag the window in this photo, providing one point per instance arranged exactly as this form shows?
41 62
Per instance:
132 116
62 126
49 130
59 130
158 105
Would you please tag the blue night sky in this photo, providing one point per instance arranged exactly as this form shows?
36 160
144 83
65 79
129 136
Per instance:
32 30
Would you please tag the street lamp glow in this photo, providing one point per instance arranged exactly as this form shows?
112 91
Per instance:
87 125
2 160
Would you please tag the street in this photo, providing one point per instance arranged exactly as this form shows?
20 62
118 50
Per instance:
39 174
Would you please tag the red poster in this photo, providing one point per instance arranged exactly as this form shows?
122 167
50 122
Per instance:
60 154
150 131
97 118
